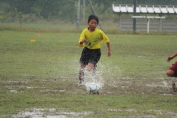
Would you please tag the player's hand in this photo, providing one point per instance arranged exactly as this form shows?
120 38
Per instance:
109 54
83 41
169 58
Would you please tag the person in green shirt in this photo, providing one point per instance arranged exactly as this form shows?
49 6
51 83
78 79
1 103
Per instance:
91 38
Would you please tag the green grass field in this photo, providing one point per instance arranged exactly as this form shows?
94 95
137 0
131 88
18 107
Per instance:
40 78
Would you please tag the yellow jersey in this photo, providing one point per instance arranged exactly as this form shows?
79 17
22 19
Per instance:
93 39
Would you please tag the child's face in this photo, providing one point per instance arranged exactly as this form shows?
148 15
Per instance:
92 24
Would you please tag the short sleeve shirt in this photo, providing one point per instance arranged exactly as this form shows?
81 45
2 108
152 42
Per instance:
94 39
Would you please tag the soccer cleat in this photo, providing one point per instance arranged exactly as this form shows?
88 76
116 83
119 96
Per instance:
174 87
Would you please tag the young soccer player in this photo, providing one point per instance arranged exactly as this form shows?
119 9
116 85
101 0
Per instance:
91 38
172 71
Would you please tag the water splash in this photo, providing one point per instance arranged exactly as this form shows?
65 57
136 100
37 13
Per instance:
105 75
97 79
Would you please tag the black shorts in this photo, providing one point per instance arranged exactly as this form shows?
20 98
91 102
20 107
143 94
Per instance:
90 56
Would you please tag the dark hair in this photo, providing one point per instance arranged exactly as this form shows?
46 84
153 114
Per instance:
93 17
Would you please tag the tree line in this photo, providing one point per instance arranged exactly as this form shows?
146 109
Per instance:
65 10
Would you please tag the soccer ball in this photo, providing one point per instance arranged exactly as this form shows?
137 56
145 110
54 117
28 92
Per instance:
93 88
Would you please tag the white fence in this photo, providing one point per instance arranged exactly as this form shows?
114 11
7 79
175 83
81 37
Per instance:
169 26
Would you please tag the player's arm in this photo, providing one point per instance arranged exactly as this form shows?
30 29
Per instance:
106 40
82 39
109 49
171 57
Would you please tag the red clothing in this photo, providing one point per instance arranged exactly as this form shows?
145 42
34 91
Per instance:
174 68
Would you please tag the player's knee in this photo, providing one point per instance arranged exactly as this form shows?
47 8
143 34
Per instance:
170 73
82 66
90 67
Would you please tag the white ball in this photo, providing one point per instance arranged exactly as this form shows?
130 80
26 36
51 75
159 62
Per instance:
93 88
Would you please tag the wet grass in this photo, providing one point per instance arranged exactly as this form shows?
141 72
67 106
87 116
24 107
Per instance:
43 74
56 26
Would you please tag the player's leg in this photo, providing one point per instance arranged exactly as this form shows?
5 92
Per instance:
92 67
81 73
172 72
94 58
174 87
83 62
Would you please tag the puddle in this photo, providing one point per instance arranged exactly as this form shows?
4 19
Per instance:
123 86
62 90
49 113
129 110
12 81
29 87
128 78
167 94
141 56
162 71
163 84
160 112
13 91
